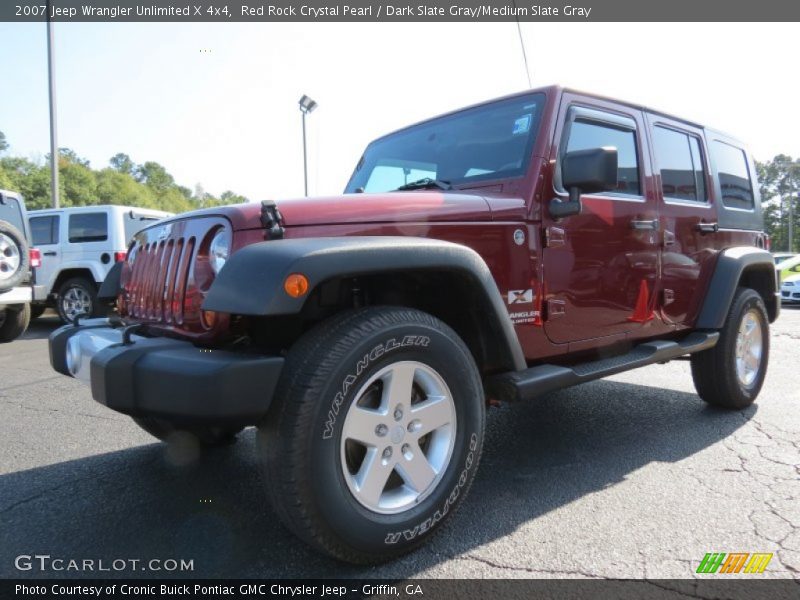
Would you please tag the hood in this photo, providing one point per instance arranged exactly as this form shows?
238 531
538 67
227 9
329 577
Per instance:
382 208
390 207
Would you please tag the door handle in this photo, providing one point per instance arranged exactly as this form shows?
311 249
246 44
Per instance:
708 227
644 224
49 254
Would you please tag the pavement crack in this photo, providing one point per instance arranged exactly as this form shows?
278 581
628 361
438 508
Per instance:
55 410
552 572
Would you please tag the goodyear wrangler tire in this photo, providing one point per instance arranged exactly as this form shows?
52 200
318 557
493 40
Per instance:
731 374
375 433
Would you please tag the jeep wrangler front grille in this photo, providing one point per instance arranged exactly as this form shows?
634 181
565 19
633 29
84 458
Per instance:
168 276
157 290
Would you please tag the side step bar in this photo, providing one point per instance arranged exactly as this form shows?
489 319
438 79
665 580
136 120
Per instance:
535 381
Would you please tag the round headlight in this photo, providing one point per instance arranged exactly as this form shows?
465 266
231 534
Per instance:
219 250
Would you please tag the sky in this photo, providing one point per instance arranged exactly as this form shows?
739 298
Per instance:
216 104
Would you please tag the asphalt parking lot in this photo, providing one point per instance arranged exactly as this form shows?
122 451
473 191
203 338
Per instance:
633 476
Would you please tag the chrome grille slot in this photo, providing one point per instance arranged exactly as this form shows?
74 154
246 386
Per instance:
179 297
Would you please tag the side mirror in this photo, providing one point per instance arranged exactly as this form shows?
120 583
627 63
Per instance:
585 172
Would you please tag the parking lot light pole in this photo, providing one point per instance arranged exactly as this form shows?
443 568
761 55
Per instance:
790 170
791 214
307 105
51 72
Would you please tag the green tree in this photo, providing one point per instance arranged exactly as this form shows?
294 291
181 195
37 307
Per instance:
3 142
122 189
123 163
155 176
778 184
148 185
77 181
5 180
29 179
71 156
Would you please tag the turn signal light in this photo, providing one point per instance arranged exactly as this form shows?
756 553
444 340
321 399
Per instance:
120 256
209 318
296 285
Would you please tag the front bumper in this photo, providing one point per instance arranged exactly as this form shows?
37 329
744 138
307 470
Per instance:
164 377
790 294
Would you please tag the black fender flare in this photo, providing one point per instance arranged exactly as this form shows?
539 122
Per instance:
733 266
251 282
109 289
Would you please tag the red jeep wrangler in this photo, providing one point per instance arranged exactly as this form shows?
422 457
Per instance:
495 253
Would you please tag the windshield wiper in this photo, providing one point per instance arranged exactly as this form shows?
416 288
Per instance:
425 182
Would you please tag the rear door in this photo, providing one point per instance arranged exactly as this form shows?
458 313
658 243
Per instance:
601 266
45 233
688 216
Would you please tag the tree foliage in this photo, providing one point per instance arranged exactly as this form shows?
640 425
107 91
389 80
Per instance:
778 183
146 185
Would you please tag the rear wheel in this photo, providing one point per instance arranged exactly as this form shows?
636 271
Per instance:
76 296
14 321
730 374
374 434
206 436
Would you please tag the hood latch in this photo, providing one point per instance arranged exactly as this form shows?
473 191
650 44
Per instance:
271 219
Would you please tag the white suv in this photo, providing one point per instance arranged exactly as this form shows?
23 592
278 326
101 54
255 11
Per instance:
17 259
79 246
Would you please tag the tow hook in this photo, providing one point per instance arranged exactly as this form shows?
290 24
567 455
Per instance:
128 332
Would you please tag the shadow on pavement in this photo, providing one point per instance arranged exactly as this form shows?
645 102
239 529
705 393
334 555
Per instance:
539 456
41 328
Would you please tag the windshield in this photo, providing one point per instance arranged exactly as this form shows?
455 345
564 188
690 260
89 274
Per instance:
493 141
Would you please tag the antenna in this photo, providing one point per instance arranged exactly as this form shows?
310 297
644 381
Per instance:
522 44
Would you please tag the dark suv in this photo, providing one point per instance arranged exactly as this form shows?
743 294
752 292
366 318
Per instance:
495 253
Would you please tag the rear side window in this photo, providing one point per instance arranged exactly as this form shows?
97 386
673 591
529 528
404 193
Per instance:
586 134
44 230
88 227
681 165
11 212
134 223
734 176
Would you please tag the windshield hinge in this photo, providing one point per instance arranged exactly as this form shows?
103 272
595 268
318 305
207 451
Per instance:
554 237
271 219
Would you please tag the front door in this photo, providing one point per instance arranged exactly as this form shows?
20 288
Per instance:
601 266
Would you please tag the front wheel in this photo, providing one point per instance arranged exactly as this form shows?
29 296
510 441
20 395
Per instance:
731 374
375 433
